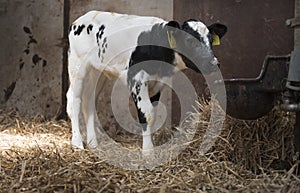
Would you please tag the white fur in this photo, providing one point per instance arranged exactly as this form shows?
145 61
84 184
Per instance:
201 29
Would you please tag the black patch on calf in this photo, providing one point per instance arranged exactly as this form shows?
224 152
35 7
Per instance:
104 44
100 33
79 30
138 88
134 98
142 119
141 115
147 50
89 28
155 98
70 29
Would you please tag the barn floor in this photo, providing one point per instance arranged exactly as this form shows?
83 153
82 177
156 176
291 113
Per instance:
249 156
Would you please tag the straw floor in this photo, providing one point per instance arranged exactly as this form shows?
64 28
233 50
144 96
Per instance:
249 156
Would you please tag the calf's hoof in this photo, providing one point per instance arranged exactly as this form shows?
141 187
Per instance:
77 144
92 143
77 147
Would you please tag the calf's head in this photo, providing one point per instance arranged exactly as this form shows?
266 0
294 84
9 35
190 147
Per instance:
193 41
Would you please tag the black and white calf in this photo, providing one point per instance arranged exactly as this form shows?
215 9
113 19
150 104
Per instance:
115 45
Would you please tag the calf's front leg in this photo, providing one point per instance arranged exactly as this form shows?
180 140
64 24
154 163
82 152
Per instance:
144 108
73 110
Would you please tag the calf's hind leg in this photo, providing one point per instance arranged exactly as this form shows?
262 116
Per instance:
74 96
88 105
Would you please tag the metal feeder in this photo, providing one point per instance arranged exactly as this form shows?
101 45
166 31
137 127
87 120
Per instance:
277 84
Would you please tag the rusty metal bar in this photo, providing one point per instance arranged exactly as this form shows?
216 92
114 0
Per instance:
261 74
65 75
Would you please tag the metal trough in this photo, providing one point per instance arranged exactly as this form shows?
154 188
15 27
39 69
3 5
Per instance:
252 98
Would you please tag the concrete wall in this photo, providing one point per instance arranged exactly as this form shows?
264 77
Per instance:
30 60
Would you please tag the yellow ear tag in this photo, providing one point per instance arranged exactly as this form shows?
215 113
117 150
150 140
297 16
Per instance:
216 39
171 39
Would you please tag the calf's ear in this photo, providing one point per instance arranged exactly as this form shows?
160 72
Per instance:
217 31
218 28
173 24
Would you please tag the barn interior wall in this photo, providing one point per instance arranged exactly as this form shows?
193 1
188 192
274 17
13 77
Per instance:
30 68
255 29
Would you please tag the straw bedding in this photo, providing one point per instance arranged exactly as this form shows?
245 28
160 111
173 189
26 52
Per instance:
249 156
